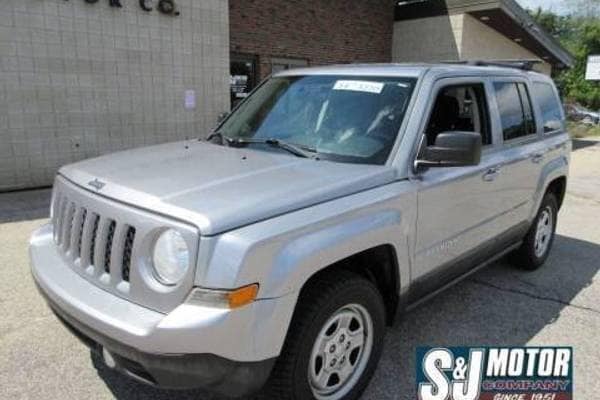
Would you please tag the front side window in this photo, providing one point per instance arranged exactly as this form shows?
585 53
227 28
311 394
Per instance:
340 118
552 116
460 108
516 112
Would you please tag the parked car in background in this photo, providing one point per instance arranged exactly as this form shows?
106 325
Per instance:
578 113
276 251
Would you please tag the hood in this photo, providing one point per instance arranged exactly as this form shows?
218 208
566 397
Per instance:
219 188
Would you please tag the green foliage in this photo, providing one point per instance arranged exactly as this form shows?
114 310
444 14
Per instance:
556 25
572 81
579 32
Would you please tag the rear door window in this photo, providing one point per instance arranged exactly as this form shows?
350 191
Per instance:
516 112
552 116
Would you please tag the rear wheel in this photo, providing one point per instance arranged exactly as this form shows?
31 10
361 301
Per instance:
334 341
538 242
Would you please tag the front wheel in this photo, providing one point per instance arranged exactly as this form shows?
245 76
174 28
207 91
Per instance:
334 341
538 242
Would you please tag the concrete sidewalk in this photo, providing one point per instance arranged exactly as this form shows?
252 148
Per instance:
557 305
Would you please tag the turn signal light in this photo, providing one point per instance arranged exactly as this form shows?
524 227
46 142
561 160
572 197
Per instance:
242 296
223 298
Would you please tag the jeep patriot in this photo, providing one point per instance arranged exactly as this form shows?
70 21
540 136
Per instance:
273 252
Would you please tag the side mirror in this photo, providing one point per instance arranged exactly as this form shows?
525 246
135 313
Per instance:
452 149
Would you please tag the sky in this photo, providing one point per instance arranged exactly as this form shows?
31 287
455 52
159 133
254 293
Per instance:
557 6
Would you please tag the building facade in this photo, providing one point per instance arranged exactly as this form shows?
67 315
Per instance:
278 34
463 37
80 78
267 36
489 30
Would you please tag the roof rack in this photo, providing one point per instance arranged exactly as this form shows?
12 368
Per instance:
525 65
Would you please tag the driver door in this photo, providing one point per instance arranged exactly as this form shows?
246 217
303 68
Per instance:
460 211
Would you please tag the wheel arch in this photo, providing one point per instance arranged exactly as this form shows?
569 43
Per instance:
553 178
558 186
379 265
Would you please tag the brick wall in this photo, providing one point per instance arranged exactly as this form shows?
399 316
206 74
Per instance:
78 80
320 31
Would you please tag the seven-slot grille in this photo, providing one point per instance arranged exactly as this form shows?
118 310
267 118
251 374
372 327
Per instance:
108 243
90 240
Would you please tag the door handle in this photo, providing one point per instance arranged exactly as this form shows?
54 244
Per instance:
537 158
491 174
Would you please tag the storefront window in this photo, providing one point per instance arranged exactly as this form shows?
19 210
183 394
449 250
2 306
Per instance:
242 78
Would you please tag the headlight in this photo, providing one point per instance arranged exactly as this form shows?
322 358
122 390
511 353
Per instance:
170 258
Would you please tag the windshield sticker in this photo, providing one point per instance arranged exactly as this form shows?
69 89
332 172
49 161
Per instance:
359 86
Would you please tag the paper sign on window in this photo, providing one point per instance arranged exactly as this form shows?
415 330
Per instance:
359 86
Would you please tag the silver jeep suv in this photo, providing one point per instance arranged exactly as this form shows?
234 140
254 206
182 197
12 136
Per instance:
275 252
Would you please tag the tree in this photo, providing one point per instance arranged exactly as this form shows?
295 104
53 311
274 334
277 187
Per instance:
579 32
555 25
572 81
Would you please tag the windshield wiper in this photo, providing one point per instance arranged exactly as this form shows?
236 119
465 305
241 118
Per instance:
218 135
291 148
299 151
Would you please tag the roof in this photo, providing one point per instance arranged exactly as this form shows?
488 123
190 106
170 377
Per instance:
406 70
504 16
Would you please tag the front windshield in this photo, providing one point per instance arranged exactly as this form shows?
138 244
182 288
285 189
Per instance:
341 118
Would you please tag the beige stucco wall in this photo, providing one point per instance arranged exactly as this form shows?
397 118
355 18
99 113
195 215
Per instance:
427 39
481 42
455 37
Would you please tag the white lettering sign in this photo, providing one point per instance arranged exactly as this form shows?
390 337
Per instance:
592 72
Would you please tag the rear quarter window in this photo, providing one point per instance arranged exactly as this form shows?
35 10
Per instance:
552 116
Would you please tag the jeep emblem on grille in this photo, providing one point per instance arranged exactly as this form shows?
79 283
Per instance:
96 184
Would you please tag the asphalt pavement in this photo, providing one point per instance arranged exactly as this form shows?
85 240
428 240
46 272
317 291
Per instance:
558 305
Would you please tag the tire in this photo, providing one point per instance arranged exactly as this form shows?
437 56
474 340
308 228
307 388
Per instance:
323 307
532 254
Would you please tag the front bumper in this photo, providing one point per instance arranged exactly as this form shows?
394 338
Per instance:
173 371
229 351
